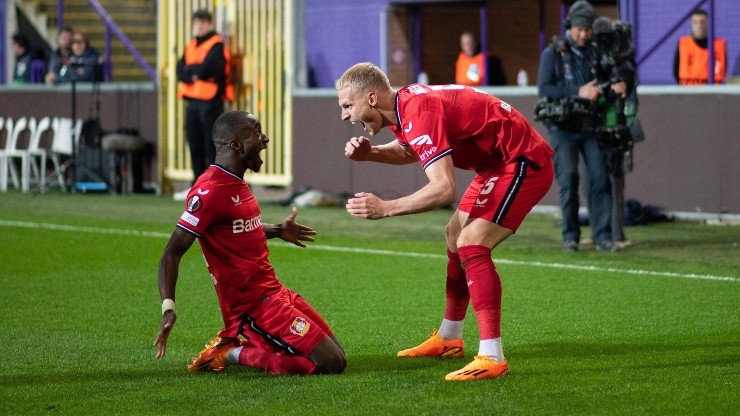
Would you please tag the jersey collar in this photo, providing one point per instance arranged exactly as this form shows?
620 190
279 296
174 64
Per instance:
241 178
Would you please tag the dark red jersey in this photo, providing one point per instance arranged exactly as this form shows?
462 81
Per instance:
478 130
225 217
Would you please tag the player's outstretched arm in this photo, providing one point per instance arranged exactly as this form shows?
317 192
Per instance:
179 243
290 230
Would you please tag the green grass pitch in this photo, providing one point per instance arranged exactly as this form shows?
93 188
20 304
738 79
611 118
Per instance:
654 329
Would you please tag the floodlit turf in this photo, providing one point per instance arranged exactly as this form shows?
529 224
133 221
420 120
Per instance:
584 333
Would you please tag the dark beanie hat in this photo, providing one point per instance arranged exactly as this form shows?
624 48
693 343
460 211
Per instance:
581 14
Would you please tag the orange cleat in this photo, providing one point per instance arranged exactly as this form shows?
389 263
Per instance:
481 367
213 356
436 346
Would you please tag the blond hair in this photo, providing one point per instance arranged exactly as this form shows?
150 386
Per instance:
363 77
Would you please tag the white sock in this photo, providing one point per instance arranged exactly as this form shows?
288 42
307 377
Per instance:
491 348
451 329
232 357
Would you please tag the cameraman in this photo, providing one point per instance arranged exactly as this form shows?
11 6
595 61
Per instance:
568 69
618 110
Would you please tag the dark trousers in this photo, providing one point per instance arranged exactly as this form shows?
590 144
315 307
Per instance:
567 146
199 119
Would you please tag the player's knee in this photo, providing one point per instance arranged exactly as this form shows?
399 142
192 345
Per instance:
333 363
452 232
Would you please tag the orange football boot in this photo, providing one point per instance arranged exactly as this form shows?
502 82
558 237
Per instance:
213 356
436 346
481 367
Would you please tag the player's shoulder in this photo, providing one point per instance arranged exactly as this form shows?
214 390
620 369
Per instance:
417 97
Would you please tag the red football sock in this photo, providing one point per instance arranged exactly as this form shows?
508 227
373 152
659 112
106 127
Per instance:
276 363
457 289
485 289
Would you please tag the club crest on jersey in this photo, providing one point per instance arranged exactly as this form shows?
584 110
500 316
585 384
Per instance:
194 203
299 326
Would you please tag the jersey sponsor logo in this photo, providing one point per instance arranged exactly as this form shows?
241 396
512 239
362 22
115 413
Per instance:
480 202
194 203
506 106
202 192
299 326
425 154
244 226
421 140
236 199
190 218
408 127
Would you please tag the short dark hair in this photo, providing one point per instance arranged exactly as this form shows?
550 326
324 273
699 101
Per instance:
230 125
700 12
202 14
22 40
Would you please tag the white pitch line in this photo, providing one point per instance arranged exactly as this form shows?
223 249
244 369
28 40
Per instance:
135 233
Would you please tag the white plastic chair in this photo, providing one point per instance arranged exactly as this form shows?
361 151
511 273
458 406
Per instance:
28 164
62 144
10 151
3 164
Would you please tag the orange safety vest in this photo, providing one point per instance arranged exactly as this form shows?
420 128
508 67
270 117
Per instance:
470 70
205 89
692 61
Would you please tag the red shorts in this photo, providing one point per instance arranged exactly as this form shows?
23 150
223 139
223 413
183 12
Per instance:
505 195
285 323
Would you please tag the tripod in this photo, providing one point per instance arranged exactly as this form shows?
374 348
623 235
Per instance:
72 162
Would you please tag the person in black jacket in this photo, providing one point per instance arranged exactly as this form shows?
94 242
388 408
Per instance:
84 63
203 72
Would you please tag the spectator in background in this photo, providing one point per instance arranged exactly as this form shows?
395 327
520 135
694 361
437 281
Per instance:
24 55
84 63
473 65
203 72
60 58
690 62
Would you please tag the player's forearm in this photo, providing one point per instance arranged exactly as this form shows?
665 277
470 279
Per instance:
168 271
430 197
392 154
272 230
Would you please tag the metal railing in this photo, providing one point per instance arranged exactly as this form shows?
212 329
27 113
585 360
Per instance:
111 26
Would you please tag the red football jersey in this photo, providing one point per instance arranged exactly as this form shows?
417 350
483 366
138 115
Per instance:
222 212
480 131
